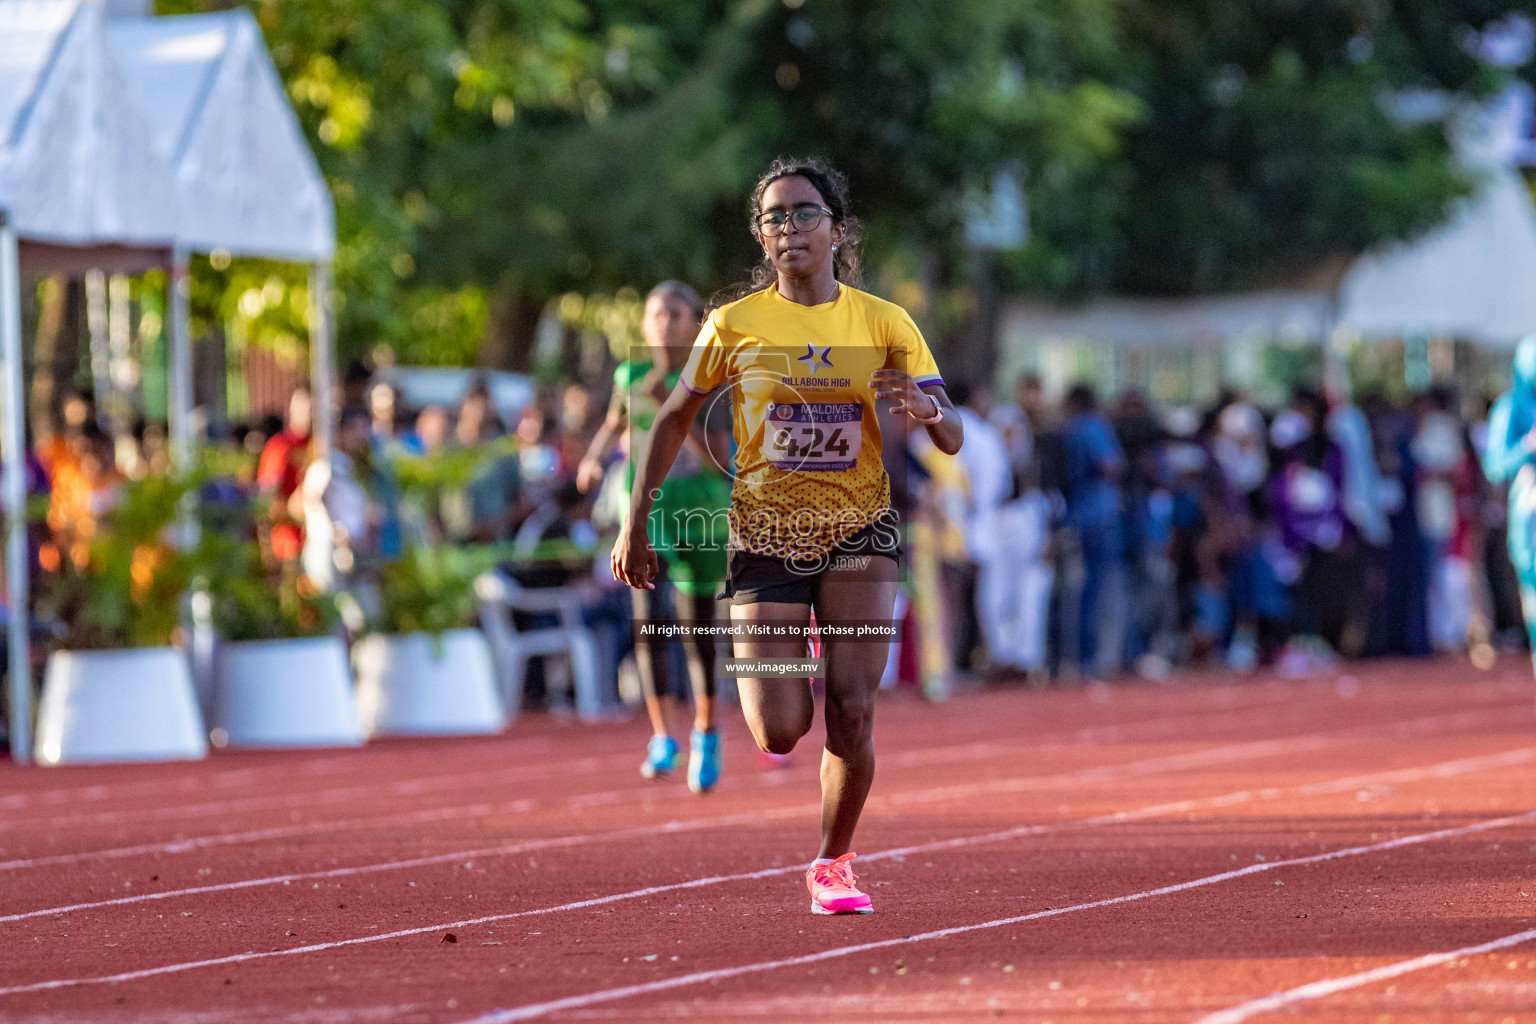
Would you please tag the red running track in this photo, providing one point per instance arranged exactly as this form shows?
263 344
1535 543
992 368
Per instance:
1351 849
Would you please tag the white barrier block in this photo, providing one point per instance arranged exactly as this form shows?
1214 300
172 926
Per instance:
415 684
285 693
122 705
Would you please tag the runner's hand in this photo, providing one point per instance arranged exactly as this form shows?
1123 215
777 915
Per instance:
634 560
589 473
899 386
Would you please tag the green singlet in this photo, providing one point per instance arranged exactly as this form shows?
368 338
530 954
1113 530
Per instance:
687 525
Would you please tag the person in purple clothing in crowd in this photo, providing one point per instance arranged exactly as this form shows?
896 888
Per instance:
1311 550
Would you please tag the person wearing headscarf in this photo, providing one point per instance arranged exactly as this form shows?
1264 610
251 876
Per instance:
1510 457
1447 517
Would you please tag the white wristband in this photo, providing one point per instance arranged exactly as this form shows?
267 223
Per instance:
937 417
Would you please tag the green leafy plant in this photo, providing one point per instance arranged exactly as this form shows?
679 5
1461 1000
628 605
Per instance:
432 589
128 590
255 599
449 468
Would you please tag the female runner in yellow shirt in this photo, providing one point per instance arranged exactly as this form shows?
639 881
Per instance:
805 356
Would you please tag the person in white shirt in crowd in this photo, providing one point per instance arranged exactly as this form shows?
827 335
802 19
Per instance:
1440 452
990 475
1016 598
338 516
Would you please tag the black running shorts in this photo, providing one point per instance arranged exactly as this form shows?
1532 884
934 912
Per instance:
752 577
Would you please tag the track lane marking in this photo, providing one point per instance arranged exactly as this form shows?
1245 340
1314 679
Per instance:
535 1010
1330 986
1129 769
1272 693
1440 770
934 755
1173 762
274 771
335 795
276 832
1191 759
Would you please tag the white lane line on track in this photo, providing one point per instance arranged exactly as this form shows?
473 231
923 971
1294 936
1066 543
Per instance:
1273 693
961 751
1262 690
609 995
535 1010
1329 986
1435 771
1132 769
1177 762
1096 774
1138 768
361 760
556 768
277 832
1194 759
337 795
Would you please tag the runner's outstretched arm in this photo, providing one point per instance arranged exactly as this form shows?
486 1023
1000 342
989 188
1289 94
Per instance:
634 560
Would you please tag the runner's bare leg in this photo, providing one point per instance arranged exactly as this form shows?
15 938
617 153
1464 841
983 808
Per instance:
778 711
866 593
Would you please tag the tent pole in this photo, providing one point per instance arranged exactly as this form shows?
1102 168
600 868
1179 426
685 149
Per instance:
13 445
179 409
322 358
96 328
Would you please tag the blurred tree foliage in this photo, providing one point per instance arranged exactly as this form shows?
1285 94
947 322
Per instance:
386 89
916 100
489 155
1274 137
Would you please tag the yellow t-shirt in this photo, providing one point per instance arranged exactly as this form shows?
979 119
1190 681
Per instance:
808 469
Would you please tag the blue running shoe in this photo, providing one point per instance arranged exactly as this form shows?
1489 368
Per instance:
703 761
660 757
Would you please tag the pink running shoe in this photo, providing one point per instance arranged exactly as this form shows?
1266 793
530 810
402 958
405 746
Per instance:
771 761
832 889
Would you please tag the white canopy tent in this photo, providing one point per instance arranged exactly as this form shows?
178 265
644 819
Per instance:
1474 277
130 143
76 167
245 180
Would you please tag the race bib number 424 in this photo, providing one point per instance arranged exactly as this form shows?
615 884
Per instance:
815 436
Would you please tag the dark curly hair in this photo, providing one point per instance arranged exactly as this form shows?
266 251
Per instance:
834 194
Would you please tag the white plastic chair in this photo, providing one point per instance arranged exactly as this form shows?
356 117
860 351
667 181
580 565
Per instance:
512 648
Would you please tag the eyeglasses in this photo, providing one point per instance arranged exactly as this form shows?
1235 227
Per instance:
805 218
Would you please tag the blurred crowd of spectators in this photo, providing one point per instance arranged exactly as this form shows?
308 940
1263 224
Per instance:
1075 539
1121 538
